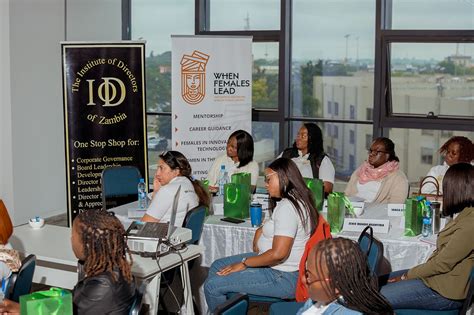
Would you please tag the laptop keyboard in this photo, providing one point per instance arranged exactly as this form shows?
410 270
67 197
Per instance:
154 229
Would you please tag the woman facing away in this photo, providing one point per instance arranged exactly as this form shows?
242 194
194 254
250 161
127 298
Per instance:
174 171
237 159
107 287
308 154
379 179
272 269
442 282
339 279
456 150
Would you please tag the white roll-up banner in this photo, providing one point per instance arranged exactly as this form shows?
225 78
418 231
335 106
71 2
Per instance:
211 95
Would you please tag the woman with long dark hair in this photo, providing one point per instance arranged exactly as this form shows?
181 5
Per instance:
379 179
308 154
174 171
339 281
238 158
272 269
442 282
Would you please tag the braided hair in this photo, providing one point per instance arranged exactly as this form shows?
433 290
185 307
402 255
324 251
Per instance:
104 243
350 275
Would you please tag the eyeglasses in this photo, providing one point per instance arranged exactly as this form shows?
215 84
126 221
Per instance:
267 177
307 275
375 152
302 135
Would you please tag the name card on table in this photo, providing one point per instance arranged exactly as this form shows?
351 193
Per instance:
396 209
358 224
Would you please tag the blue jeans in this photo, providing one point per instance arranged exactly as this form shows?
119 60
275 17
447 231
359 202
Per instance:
414 294
257 281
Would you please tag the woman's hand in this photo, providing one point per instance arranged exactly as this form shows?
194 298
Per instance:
399 278
256 237
9 307
156 185
227 270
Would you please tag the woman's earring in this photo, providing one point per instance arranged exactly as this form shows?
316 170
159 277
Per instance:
340 299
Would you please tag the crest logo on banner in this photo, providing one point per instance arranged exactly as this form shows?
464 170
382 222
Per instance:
107 91
193 77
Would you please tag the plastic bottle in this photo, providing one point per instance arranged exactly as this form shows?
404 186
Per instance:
427 227
222 180
142 199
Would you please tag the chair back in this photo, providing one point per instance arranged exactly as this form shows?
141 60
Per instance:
138 301
470 294
120 181
373 248
237 305
20 284
194 220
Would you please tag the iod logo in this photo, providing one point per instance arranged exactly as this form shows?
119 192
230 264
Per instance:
193 77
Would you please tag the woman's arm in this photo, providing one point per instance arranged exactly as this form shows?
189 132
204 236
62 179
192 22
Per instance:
281 248
256 237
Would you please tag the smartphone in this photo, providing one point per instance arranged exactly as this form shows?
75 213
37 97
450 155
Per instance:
232 220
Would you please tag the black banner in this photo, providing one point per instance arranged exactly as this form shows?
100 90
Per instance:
104 116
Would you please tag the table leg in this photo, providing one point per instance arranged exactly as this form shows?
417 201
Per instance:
152 293
188 295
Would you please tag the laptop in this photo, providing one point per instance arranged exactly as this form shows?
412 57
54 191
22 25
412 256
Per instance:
155 230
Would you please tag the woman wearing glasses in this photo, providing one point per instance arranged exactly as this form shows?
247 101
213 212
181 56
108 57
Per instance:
272 269
308 154
379 179
174 171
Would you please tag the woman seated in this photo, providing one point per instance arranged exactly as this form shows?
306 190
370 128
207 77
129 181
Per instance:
174 171
272 269
455 150
442 282
308 154
339 279
379 179
237 159
98 241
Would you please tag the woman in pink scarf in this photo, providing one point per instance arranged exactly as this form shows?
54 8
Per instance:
379 180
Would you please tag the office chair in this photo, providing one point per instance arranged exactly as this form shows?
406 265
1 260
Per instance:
138 300
373 248
20 283
120 181
467 303
237 305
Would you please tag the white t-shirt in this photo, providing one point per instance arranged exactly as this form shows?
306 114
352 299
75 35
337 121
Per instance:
231 168
437 172
316 309
285 222
326 169
162 203
369 190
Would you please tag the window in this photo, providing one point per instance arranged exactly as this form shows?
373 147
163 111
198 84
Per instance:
335 131
427 156
427 132
352 112
368 141
369 114
352 164
265 76
336 108
329 107
351 136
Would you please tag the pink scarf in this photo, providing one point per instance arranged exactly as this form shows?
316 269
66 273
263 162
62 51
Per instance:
368 173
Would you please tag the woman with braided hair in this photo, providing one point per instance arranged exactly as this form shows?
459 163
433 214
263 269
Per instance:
105 282
174 171
338 277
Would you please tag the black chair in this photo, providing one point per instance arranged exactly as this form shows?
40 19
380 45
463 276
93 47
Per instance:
20 283
138 301
237 305
373 248
120 181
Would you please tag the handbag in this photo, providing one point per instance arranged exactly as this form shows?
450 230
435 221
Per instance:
316 186
432 197
6 226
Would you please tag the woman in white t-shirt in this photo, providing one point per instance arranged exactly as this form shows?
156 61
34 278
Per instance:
272 269
308 154
174 171
237 159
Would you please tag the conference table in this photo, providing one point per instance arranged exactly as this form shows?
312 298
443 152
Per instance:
56 264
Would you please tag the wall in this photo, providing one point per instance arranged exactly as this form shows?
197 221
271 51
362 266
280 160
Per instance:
35 29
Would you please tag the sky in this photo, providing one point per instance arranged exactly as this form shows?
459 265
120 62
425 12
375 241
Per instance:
322 29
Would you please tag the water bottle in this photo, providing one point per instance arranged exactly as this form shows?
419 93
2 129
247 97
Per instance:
427 228
142 200
222 180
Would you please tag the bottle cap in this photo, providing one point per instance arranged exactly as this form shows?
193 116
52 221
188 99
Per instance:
142 180
222 167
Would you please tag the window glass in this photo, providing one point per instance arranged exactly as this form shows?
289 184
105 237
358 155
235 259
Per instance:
432 79
236 15
155 22
418 151
158 138
265 76
266 142
346 155
332 57
433 14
